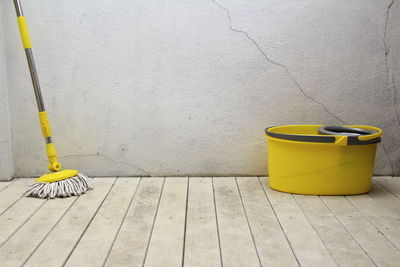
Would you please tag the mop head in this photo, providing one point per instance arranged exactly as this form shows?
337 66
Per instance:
60 184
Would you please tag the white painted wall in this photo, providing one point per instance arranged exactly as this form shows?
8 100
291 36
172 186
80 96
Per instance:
187 87
6 164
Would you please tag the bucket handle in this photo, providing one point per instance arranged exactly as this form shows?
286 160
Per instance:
301 138
377 132
355 134
338 140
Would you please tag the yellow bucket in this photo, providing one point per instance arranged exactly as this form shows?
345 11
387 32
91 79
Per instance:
322 160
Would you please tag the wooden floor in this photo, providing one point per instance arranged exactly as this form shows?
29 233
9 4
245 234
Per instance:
199 222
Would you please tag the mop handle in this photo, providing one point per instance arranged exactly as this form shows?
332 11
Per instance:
54 165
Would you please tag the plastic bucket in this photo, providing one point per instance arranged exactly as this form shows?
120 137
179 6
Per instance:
322 160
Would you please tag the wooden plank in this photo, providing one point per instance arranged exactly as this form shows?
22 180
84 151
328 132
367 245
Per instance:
130 246
201 244
13 218
167 239
379 194
13 193
382 218
306 244
61 241
378 247
272 246
339 242
237 246
104 227
20 246
392 184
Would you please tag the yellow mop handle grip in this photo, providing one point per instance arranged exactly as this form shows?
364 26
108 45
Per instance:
51 152
44 124
23 30
54 165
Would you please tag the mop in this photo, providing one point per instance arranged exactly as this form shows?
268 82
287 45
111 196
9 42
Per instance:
58 183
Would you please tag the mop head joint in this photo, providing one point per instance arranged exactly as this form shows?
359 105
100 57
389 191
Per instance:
64 183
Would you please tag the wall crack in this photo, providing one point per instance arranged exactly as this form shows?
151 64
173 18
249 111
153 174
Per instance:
301 89
98 155
124 163
389 76
284 67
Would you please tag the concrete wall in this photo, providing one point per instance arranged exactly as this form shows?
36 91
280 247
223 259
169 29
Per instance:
187 87
392 53
6 164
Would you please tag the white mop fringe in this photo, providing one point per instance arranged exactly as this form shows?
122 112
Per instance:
73 186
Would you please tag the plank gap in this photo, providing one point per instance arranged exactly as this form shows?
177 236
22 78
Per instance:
122 221
21 225
279 222
216 221
372 223
316 232
131 243
154 221
51 229
87 226
184 227
247 220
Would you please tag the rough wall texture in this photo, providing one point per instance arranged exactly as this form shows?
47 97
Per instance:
6 164
392 53
187 87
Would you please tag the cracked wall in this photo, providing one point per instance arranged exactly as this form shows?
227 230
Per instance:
187 87
392 53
